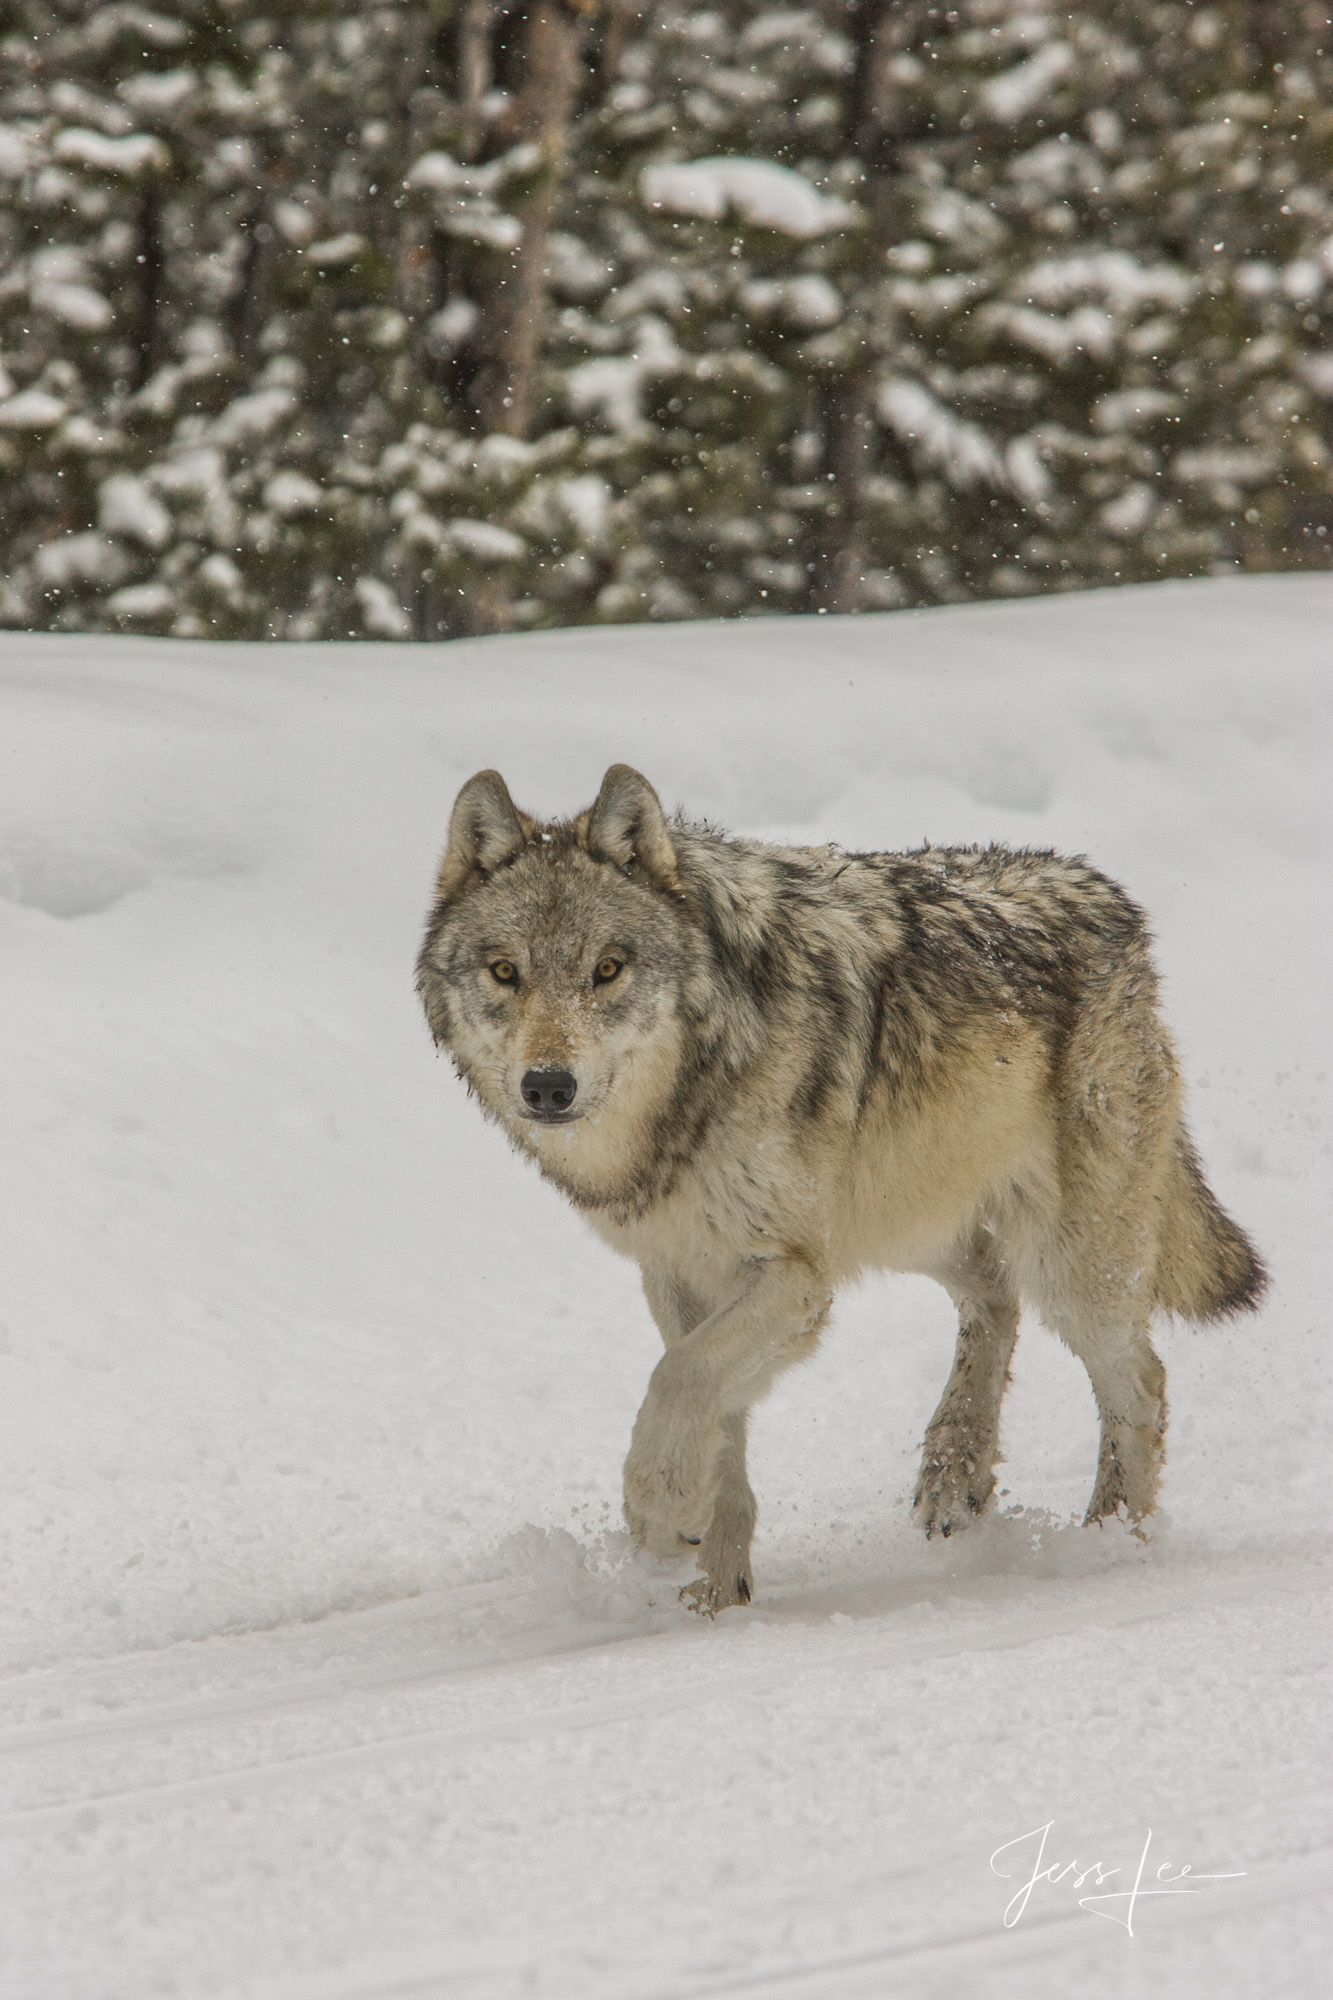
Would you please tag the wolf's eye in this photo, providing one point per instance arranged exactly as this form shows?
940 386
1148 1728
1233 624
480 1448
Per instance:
606 970
505 971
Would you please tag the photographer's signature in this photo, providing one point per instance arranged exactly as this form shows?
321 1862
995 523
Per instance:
1117 1904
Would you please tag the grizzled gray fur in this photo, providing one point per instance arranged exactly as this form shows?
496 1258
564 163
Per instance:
760 1070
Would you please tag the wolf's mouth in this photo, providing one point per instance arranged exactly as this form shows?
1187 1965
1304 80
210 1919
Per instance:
551 1117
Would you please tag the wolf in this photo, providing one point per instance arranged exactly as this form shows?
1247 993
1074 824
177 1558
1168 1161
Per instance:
760 1070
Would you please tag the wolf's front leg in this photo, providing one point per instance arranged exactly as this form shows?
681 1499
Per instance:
673 1455
724 1554
685 1470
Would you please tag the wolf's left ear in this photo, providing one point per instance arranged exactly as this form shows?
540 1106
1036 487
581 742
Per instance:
627 824
486 829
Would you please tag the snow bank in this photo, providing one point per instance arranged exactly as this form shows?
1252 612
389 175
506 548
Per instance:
325 1667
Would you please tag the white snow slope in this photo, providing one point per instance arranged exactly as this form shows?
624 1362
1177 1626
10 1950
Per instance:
325 1669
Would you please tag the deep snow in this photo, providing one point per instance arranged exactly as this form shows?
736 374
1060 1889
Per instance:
325 1670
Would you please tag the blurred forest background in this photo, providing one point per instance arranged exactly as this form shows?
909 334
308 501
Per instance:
457 316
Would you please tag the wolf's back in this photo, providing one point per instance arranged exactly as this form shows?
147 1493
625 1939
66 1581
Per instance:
1207 1267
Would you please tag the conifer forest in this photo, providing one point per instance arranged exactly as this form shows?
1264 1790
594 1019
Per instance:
418 320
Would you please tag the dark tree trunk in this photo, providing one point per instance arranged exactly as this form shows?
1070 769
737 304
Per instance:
1269 28
474 71
875 129
544 115
836 536
150 275
241 304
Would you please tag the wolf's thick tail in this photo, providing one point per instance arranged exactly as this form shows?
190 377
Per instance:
1207 1267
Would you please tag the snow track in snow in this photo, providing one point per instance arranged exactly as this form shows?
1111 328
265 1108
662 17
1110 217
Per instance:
342 1703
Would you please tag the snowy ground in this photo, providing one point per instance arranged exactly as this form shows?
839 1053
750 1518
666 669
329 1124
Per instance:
326 1671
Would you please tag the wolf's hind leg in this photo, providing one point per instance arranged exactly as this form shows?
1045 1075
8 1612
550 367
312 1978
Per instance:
1129 1383
962 1444
724 1553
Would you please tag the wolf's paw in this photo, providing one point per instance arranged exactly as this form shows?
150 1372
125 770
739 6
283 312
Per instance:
660 1536
724 1558
956 1482
1128 1469
1111 1502
708 1594
670 1477
668 1514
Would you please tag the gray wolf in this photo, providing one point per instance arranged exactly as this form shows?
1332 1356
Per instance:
760 1070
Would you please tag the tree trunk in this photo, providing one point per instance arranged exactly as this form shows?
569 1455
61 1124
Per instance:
150 282
836 534
1269 29
474 71
240 306
874 129
843 417
544 116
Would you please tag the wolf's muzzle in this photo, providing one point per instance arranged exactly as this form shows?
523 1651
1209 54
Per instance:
548 1093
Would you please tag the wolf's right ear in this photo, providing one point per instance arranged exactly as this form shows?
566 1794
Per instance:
627 825
486 830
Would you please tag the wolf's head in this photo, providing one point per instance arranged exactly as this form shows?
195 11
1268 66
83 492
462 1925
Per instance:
554 970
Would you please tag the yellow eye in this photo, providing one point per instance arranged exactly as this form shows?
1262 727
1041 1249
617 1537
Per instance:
607 970
505 971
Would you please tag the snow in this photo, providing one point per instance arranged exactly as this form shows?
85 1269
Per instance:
294 220
961 449
125 506
253 415
1016 92
761 192
158 90
31 410
325 1670
450 327
1119 278
1089 328
15 151
69 558
291 493
128 156
481 225
1317 371
141 600
344 249
1119 411
384 615
1303 280
444 174
1123 285
55 286
610 385
1130 512
487 540
807 301
587 502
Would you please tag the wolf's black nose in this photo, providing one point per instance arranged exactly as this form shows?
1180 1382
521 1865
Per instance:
548 1090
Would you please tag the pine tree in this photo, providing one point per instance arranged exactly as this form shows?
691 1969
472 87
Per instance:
1036 368
419 319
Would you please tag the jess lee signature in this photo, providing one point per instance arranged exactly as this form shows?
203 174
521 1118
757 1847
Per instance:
1118 1905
